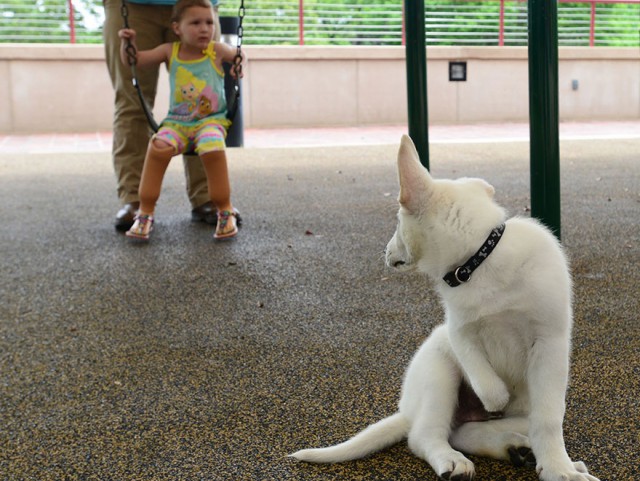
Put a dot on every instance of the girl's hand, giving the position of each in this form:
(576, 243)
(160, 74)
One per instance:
(127, 33)
(128, 47)
(129, 53)
(237, 68)
(226, 53)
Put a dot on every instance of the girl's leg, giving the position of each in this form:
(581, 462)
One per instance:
(158, 157)
(159, 154)
(215, 164)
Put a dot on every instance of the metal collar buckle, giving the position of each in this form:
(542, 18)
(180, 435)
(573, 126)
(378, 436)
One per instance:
(461, 274)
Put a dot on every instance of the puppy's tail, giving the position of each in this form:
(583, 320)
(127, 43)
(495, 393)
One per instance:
(378, 436)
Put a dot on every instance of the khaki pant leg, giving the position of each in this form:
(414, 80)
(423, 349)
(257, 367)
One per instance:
(197, 189)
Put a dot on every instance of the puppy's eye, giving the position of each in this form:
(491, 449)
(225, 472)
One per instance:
(399, 263)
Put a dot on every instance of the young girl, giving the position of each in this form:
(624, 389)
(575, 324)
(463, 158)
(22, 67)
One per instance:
(197, 111)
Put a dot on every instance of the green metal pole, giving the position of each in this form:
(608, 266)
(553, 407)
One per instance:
(543, 113)
(416, 51)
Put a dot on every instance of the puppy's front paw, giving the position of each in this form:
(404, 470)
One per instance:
(455, 467)
(494, 396)
(573, 472)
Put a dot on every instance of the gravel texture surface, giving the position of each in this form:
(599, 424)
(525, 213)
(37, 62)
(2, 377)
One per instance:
(190, 359)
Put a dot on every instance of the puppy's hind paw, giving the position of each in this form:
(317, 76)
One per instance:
(522, 456)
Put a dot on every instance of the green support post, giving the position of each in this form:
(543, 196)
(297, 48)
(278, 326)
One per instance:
(543, 113)
(416, 51)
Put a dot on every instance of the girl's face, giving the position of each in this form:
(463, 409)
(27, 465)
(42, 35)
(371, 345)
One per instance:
(196, 27)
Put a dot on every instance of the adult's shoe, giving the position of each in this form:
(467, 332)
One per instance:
(126, 216)
(207, 212)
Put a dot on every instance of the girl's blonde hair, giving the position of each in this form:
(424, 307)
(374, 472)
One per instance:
(182, 5)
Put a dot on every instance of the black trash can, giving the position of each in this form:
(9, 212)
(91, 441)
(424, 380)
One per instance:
(229, 30)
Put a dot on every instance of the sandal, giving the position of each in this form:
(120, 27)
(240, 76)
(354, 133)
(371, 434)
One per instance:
(226, 224)
(141, 228)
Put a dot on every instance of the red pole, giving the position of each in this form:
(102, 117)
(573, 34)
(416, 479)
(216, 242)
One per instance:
(72, 25)
(404, 37)
(501, 32)
(301, 22)
(592, 28)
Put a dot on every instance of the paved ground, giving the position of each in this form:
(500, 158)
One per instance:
(187, 359)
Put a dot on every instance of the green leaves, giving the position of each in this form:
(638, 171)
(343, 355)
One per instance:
(48, 21)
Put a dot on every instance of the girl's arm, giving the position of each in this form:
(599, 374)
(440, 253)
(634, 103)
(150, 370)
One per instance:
(226, 53)
(144, 58)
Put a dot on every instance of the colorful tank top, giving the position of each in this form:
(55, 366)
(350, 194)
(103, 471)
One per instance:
(197, 88)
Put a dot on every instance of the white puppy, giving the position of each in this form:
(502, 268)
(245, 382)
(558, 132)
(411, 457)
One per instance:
(491, 381)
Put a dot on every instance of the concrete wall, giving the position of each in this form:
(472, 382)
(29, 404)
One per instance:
(66, 88)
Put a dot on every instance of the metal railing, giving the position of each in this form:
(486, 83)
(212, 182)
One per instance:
(486, 22)
(326, 22)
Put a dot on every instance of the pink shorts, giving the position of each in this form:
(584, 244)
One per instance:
(206, 135)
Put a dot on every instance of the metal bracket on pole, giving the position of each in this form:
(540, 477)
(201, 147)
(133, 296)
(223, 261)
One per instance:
(416, 51)
(543, 113)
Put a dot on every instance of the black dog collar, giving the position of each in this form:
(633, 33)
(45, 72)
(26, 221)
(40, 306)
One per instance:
(462, 274)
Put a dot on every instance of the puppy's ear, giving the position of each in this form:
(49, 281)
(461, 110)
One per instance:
(415, 180)
(491, 191)
(486, 186)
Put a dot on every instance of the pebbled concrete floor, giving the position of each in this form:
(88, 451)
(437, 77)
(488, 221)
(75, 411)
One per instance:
(187, 359)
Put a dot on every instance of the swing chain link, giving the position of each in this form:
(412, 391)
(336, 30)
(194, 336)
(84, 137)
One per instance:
(237, 60)
(130, 50)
